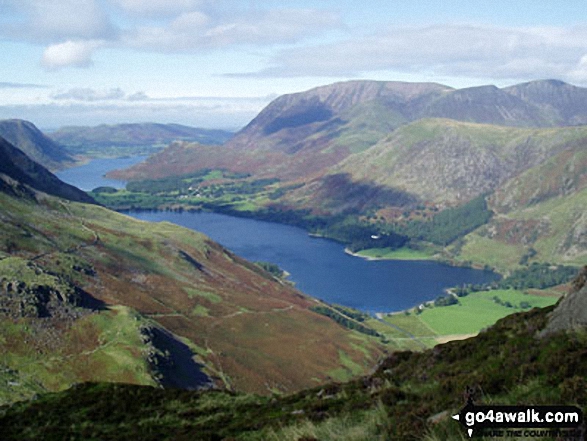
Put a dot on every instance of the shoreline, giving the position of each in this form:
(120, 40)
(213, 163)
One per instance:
(371, 258)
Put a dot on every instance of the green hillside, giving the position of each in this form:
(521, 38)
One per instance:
(98, 289)
(409, 396)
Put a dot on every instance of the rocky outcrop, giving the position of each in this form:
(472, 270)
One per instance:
(571, 312)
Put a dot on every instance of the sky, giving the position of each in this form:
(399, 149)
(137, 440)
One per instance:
(217, 63)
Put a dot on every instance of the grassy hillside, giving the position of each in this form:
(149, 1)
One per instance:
(540, 216)
(410, 396)
(248, 330)
(445, 161)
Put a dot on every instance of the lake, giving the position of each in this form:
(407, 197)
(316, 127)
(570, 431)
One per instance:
(91, 175)
(318, 267)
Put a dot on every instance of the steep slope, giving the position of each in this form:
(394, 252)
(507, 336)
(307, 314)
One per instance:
(488, 105)
(302, 134)
(443, 162)
(540, 214)
(35, 144)
(247, 330)
(571, 312)
(409, 396)
(18, 166)
(103, 138)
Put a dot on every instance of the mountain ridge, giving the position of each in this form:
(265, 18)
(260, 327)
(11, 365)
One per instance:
(18, 166)
(301, 135)
(39, 147)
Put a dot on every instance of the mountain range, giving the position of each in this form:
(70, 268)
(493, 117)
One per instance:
(127, 139)
(380, 149)
(302, 134)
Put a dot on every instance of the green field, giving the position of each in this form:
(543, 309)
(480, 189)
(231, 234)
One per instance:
(398, 254)
(478, 311)
(473, 313)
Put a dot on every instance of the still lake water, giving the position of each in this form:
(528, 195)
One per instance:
(319, 267)
(91, 175)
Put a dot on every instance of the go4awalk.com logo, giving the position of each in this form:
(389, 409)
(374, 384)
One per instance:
(522, 421)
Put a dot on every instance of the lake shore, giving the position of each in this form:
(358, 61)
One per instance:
(400, 254)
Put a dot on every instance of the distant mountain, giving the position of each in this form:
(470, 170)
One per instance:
(562, 103)
(17, 166)
(301, 135)
(35, 144)
(84, 140)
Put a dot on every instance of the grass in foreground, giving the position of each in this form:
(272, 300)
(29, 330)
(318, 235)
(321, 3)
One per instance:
(506, 365)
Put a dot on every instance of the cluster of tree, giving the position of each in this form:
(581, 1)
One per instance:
(449, 224)
(537, 275)
(446, 300)
(344, 320)
(360, 235)
(271, 268)
(106, 190)
(508, 304)
(352, 313)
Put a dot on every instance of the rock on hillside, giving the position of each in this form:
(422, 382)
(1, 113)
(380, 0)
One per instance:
(446, 161)
(571, 312)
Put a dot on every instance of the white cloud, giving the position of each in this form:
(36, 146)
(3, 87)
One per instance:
(474, 51)
(55, 21)
(195, 30)
(87, 94)
(70, 28)
(70, 54)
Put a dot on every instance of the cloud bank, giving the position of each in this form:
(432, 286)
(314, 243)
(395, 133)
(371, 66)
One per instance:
(460, 50)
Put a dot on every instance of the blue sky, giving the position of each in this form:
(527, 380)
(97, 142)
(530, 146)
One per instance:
(218, 63)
